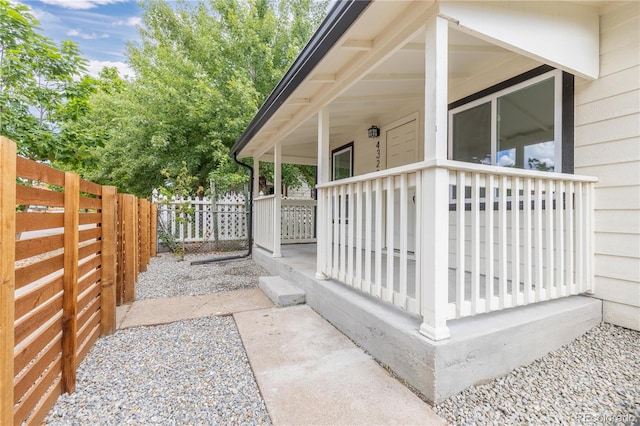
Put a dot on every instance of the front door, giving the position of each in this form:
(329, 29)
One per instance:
(402, 148)
(402, 144)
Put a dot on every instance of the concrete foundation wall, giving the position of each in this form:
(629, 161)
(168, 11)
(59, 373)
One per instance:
(480, 348)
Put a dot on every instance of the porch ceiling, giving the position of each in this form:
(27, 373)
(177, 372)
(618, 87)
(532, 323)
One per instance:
(376, 68)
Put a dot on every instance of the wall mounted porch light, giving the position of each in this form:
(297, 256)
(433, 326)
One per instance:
(374, 131)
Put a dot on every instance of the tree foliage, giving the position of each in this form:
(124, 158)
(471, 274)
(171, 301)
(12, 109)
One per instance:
(43, 91)
(202, 70)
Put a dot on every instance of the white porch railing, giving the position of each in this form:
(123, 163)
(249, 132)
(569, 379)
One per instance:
(263, 211)
(515, 237)
(298, 221)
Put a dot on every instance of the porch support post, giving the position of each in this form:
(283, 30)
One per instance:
(256, 193)
(322, 177)
(277, 201)
(434, 248)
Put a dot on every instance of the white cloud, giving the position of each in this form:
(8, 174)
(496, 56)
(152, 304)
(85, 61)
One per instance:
(44, 16)
(86, 36)
(129, 22)
(95, 67)
(80, 4)
(543, 152)
(506, 158)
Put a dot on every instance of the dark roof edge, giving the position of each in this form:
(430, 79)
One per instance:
(341, 16)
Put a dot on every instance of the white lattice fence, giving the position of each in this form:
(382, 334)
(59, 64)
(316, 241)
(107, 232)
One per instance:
(232, 217)
(224, 220)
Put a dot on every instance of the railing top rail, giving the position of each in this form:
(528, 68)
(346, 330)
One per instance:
(509, 171)
(396, 171)
(460, 166)
(264, 197)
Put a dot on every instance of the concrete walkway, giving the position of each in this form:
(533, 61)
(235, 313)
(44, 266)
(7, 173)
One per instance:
(162, 311)
(308, 372)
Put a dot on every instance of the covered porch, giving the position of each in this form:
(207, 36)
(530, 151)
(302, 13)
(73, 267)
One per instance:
(530, 231)
(433, 212)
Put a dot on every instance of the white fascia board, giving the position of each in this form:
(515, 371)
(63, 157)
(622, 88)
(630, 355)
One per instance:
(562, 34)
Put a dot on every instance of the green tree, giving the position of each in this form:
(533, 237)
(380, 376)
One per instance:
(202, 70)
(174, 195)
(536, 164)
(42, 89)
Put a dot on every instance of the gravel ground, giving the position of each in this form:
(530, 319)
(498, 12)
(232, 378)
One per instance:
(593, 380)
(192, 372)
(196, 372)
(167, 276)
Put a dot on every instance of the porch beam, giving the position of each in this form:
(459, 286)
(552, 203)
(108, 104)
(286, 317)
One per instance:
(476, 48)
(277, 192)
(292, 159)
(377, 98)
(323, 78)
(299, 101)
(322, 177)
(433, 251)
(384, 76)
(262, 149)
(360, 45)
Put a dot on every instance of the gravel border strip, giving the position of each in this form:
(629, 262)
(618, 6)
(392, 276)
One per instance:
(193, 372)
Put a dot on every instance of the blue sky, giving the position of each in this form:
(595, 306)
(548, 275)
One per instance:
(101, 28)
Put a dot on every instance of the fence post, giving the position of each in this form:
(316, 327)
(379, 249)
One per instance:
(153, 231)
(144, 234)
(215, 216)
(70, 283)
(108, 249)
(7, 285)
(136, 215)
(120, 250)
(130, 240)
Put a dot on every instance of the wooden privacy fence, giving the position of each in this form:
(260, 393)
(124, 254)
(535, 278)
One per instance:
(70, 250)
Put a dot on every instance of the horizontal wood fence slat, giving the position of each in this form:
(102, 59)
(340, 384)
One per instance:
(31, 170)
(30, 300)
(29, 221)
(61, 254)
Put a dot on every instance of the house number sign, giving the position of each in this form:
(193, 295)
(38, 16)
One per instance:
(378, 156)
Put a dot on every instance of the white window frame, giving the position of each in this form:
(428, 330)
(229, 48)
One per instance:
(341, 150)
(493, 98)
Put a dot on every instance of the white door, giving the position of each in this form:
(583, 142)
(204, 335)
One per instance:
(402, 148)
(402, 144)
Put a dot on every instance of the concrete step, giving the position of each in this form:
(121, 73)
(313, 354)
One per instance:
(281, 292)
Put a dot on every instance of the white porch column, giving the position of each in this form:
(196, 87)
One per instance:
(256, 191)
(323, 177)
(277, 195)
(434, 197)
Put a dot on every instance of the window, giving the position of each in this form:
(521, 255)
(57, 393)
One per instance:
(342, 162)
(517, 124)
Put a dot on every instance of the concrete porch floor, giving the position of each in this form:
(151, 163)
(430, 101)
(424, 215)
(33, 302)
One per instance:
(480, 348)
